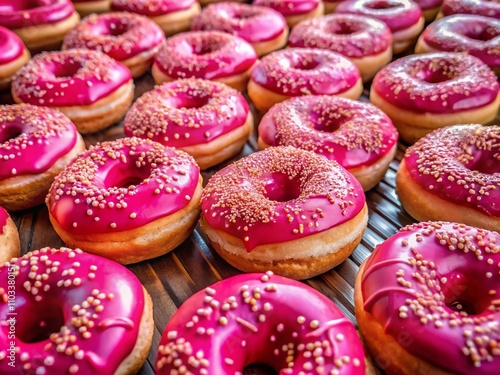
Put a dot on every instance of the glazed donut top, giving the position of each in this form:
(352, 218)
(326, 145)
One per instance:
(280, 194)
(435, 287)
(290, 7)
(106, 188)
(350, 35)
(76, 312)
(441, 82)
(11, 46)
(16, 14)
(32, 138)
(68, 78)
(151, 8)
(482, 7)
(119, 35)
(186, 112)
(460, 164)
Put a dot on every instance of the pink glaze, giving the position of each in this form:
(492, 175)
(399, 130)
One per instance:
(16, 14)
(348, 34)
(305, 71)
(151, 8)
(415, 283)
(69, 78)
(353, 133)
(76, 313)
(249, 319)
(186, 112)
(460, 164)
(442, 82)
(205, 54)
(290, 7)
(397, 14)
(121, 185)
(32, 139)
(255, 24)
(485, 8)
(4, 216)
(428, 4)
(280, 194)
(120, 35)
(476, 35)
(11, 46)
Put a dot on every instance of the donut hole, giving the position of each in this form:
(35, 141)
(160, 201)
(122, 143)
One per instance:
(205, 47)
(342, 28)
(67, 70)
(463, 294)
(14, 6)
(116, 29)
(480, 33)
(280, 188)
(306, 64)
(327, 125)
(383, 5)
(433, 76)
(484, 161)
(38, 327)
(10, 132)
(259, 369)
(193, 102)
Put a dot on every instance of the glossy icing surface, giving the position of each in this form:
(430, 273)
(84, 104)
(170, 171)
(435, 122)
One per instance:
(15, 14)
(428, 4)
(481, 7)
(4, 215)
(290, 7)
(11, 46)
(151, 8)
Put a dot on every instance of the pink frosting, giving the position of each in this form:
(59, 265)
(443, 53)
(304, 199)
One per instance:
(290, 7)
(460, 164)
(351, 132)
(397, 14)
(121, 185)
(4, 216)
(16, 14)
(255, 24)
(280, 194)
(73, 313)
(69, 78)
(481, 7)
(120, 35)
(428, 4)
(32, 139)
(476, 35)
(305, 71)
(11, 46)
(250, 319)
(434, 288)
(441, 82)
(151, 8)
(348, 34)
(186, 112)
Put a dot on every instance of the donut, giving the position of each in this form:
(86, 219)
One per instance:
(13, 55)
(430, 8)
(331, 5)
(365, 41)
(476, 35)
(421, 93)
(128, 38)
(288, 210)
(86, 7)
(211, 55)
(40, 24)
(480, 7)
(72, 313)
(295, 11)
(89, 87)
(359, 136)
(403, 17)
(204, 3)
(128, 200)
(10, 245)
(426, 300)
(173, 16)
(207, 119)
(36, 143)
(259, 318)
(264, 28)
(453, 174)
(295, 72)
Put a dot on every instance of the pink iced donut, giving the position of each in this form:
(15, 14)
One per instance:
(89, 87)
(426, 300)
(10, 245)
(264, 28)
(40, 24)
(128, 38)
(480, 7)
(359, 136)
(13, 55)
(259, 318)
(475, 35)
(421, 93)
(207, 119)
(86, 7)
(294, 11)
(128, 200)
(173, 16)
(211, 55)
(403, 17)
(72, 313)
(453, 174)
(302, 71)
(430, 8)
(367, 42)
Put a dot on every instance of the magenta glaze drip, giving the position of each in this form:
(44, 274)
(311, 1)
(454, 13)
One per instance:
(186, 112)
(480, 7)
(460, 264)
(16, 14)
(350, 35)
(32, 139)
(11, 46)
(255, 24)
(305, 71)
(290, 7)
(69, 78)
(353, 133)
(136, 35)
(418, 83)
(4, 216)
(151, 8)
(100, 194)
(74, 278)
(286, 311)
